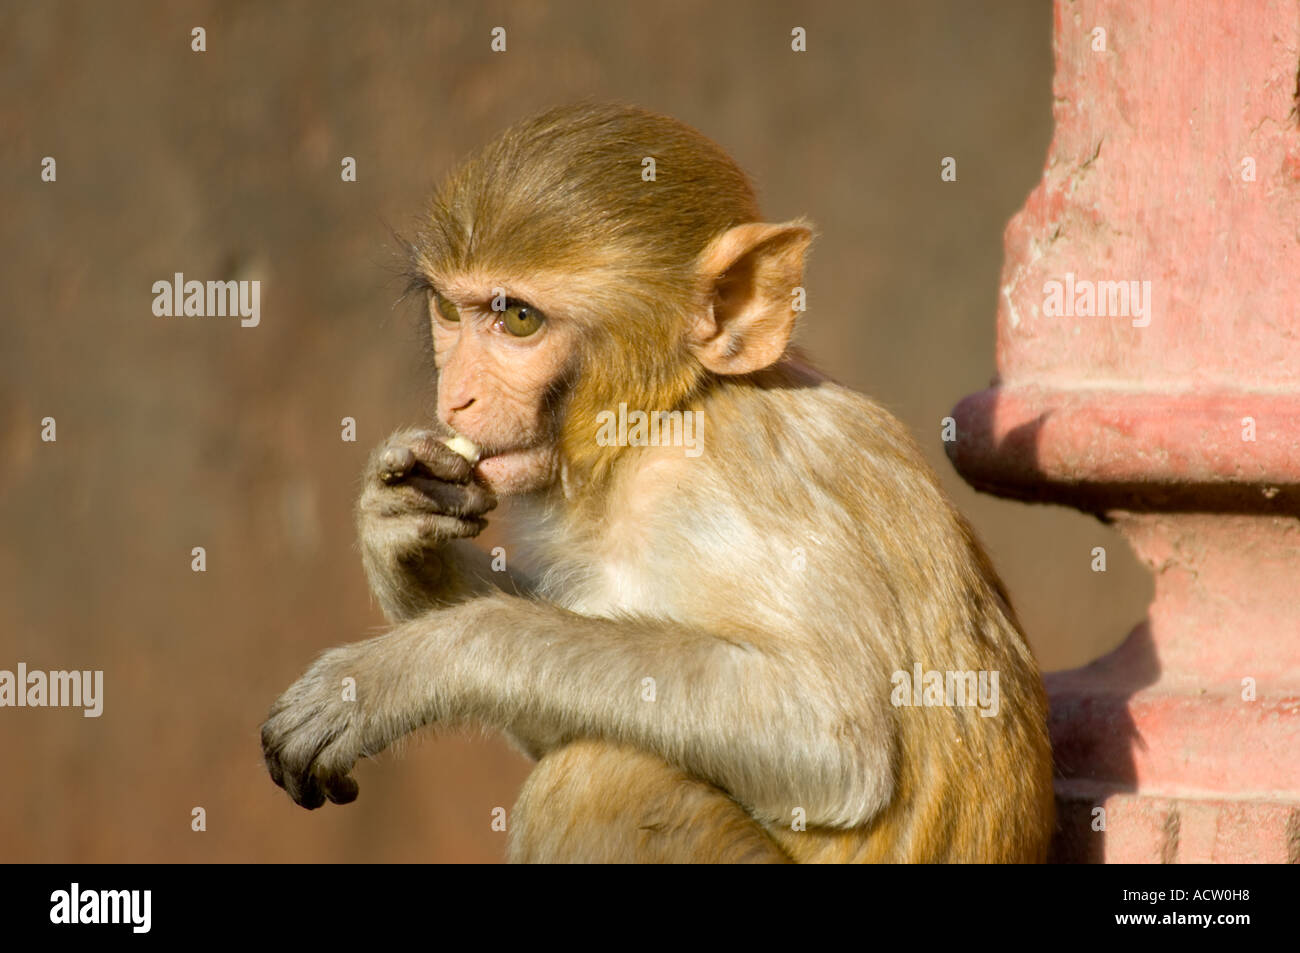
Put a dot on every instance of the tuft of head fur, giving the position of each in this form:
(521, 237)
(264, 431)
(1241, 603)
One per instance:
(563, 193)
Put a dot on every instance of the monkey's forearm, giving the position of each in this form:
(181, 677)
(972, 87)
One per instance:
(723, 711)
(416, 584)
(435, 578)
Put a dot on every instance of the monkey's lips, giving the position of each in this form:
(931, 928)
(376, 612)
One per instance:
(520, 470)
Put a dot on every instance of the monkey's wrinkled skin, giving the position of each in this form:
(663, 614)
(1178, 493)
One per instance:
(705, 666)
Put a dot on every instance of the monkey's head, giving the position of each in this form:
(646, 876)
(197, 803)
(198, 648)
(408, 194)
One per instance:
(591, 256)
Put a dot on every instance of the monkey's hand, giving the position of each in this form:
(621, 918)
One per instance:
(316, 732)
(418, 495)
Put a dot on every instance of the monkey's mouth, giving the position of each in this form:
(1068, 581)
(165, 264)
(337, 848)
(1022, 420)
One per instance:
(488, 452)
(505, 456)
(515, 470)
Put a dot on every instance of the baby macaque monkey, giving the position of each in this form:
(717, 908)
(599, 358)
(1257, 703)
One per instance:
(779, 644)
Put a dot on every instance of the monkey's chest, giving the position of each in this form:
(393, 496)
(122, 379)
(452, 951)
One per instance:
(619, 587)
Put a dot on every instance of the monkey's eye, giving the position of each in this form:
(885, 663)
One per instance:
(443, 308)
(521, 319)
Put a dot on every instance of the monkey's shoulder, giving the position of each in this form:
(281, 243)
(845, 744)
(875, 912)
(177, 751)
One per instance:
(817, 422)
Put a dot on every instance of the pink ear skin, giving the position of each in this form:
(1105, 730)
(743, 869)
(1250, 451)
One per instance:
(750, 273)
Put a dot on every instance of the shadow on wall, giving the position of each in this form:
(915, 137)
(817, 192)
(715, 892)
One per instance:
(1093, 740)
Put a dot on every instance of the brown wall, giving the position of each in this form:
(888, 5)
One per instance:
(191, 432)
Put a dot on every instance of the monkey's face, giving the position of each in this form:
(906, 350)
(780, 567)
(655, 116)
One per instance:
(563, 284)
(502, 360)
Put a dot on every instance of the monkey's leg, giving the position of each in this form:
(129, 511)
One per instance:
(593, 802)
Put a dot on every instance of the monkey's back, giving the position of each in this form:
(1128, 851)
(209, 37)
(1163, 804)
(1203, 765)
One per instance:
(968, 787)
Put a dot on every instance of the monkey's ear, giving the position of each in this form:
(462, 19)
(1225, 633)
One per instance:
(750, 273)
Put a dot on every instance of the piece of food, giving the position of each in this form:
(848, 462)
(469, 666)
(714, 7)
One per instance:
(464, 446)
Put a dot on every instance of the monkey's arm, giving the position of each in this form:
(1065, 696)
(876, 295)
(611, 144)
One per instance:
(433, 578)
(752, 723)
(419, 506)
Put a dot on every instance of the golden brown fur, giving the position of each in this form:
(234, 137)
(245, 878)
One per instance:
(767, 589)
(897, 578)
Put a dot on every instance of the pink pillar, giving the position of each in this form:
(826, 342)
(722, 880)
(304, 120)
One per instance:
(1176, 161)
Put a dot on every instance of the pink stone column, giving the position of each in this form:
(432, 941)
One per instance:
(1175, 161)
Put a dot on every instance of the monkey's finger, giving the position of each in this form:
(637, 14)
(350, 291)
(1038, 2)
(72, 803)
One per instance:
(448, 527)
(425, 496)
(470, 499)
(304, 789)
(339, 788)
(275, 768)
(395, 463)
(271, 755)
(419, 451)
(413, 543)
(292, 770)
(438, 460)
